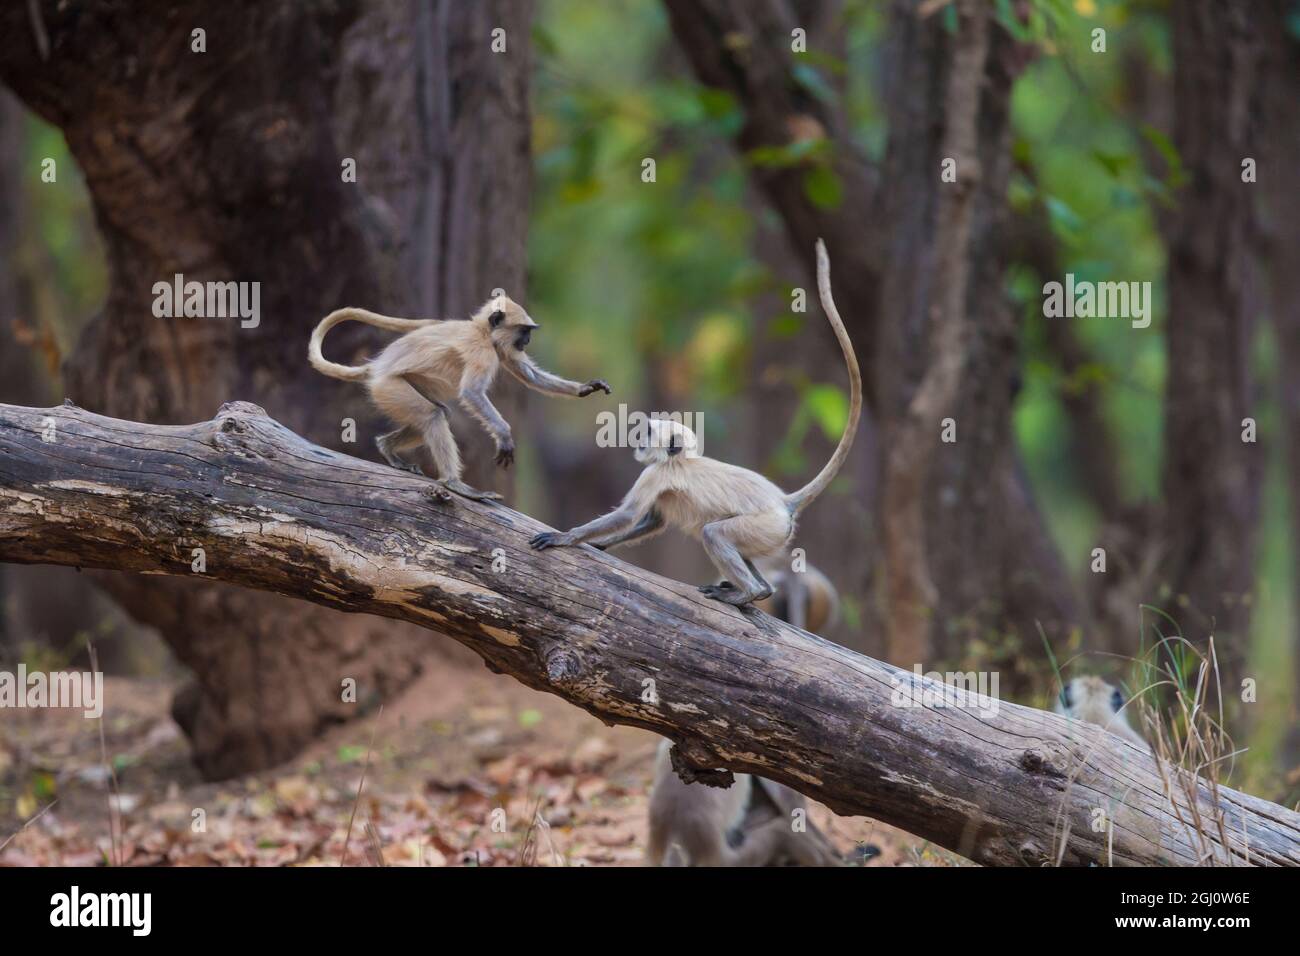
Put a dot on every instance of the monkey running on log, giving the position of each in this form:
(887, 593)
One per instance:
(737, 514)
(439, 361)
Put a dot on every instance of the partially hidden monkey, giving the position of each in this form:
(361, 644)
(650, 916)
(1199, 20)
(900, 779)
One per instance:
(1093, 700)
(749, 823)
(806, 599)
(737, 514)
(439, 361)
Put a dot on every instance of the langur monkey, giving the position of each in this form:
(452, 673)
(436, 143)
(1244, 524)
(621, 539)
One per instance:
(747, 824)
(1093, 700)
(439, 361)
(806, 598)
(750, 822)
(737, 514)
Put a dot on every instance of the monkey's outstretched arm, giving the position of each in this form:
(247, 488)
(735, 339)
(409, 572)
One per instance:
(649, 525)
(475, 400)
(605, 525)
(537, 378)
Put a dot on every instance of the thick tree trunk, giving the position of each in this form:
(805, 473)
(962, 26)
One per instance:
(1212, 477)
(983, 541)
(226, 165)
(999, 783)
(1281, 157)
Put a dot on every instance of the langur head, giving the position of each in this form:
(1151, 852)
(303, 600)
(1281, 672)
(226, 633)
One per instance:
(666, 440)
(509, 325)
(1090, 698)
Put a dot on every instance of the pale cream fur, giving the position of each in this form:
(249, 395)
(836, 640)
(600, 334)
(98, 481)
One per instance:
(1093, 700)
(737, 514)
(436, 362)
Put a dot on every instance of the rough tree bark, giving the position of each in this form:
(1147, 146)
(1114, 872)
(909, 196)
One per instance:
(985, 544)
(226, 165)
(1212, 478)
(736, 689)
(1281, 157)
(914, 427)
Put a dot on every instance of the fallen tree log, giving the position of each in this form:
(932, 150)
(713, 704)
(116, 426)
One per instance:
(996, 782)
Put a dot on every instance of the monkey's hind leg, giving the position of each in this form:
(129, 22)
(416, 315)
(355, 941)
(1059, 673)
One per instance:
(446, 457)
(397, 441)
(743, 584)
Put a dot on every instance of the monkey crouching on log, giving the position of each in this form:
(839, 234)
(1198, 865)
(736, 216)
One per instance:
(737, 514)
(439, 361)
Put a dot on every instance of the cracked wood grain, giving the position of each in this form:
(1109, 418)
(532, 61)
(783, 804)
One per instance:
(736, 689)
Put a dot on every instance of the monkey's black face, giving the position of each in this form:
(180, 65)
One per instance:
(522, 339)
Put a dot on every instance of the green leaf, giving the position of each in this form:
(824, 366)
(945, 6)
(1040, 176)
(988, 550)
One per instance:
(1063, 217)
(785, 327)
(543, 42)
(788, 154)
(351, 753)
(1177, 175)
(811, 80)
(529, 718)
(1113, 163)
(823, 188)
(829, 407)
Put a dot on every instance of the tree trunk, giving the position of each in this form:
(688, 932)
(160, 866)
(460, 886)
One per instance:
(1212, 477)
(226, 165)
(1281, 156)
(999, 783)
(982, 541)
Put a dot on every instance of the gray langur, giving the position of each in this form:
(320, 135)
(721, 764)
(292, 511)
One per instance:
(736, 514)
(1093, 700)
(807, 599)
(749, 823)
(439, 361)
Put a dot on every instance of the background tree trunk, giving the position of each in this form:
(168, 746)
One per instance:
(984, 544)
(1212, 478)
(226, 165)
(1280, 159)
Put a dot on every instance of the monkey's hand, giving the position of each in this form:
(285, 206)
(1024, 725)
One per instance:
(595, 385)
(549, 539)
(506, 453)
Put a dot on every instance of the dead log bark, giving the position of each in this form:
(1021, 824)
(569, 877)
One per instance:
(735, 689)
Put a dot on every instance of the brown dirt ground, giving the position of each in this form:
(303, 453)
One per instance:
(457, 746)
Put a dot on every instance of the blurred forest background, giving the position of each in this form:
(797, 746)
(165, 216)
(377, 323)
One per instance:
(524, 170)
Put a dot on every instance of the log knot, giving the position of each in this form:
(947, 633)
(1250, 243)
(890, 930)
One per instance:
(1045, 763)
(232, 415)
(693, 767)
(241, 408)
(563, 666)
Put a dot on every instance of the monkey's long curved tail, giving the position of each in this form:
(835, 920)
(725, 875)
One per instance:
(798, 500)
(354, 373)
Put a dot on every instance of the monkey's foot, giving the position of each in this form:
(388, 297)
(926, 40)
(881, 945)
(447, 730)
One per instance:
(438, 493)
(727, 593)
(466, 491)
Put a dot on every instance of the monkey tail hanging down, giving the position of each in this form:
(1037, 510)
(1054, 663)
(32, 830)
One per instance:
(439, 361)
(737, 514)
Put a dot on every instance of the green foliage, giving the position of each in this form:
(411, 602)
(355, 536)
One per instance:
(822, 186)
